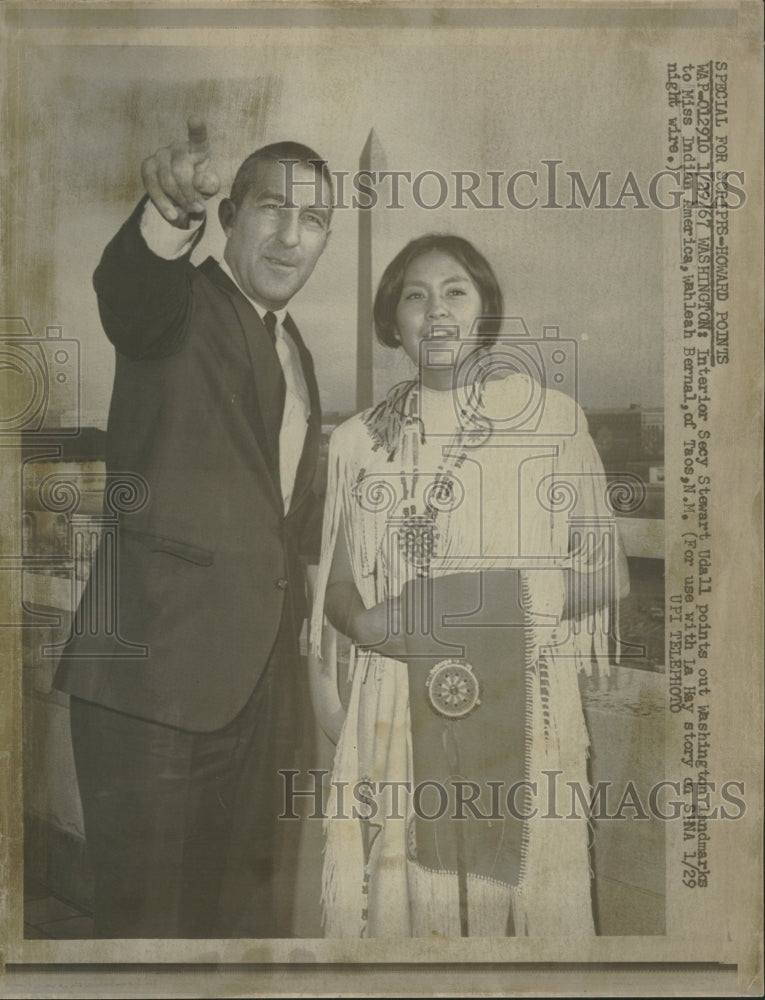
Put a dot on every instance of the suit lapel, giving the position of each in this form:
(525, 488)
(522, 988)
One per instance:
(269, 384)
(307, 465)
(266, 371)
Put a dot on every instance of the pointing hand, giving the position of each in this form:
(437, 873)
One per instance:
(178, 178)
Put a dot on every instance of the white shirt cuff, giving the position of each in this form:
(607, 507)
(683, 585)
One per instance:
(164, 239)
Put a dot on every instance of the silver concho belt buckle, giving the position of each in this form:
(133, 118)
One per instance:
(453, 689)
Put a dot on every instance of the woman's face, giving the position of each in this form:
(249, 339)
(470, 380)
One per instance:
(437, 292)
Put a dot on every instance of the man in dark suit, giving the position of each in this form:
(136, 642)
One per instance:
(215, 406)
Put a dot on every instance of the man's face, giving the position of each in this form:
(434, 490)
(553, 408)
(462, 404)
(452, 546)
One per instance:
(272, 249)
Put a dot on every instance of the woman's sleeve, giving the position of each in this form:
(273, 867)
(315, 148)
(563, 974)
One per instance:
(593, 550)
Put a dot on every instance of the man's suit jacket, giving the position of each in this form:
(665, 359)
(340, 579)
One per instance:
(205, 567)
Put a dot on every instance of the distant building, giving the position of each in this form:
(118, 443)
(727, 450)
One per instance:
(631, 442)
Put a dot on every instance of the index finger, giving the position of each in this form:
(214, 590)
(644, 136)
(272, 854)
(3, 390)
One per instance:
(197, 129)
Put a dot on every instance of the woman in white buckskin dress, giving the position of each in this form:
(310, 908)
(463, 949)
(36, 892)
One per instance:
(478, 463)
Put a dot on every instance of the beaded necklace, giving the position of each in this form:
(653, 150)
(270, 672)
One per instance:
(425, 496)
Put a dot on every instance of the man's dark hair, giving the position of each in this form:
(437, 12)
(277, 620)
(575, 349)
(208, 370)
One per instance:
(463, 251)
(280, 152)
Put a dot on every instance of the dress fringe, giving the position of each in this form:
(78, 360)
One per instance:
(375, 740)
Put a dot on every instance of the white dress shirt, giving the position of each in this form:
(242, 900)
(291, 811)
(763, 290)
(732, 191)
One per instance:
(170, 243)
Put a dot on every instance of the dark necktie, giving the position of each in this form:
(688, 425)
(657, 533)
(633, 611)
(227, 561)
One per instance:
(269, 321)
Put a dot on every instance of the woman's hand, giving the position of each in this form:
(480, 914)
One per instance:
(376, 628)
(379, 628)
